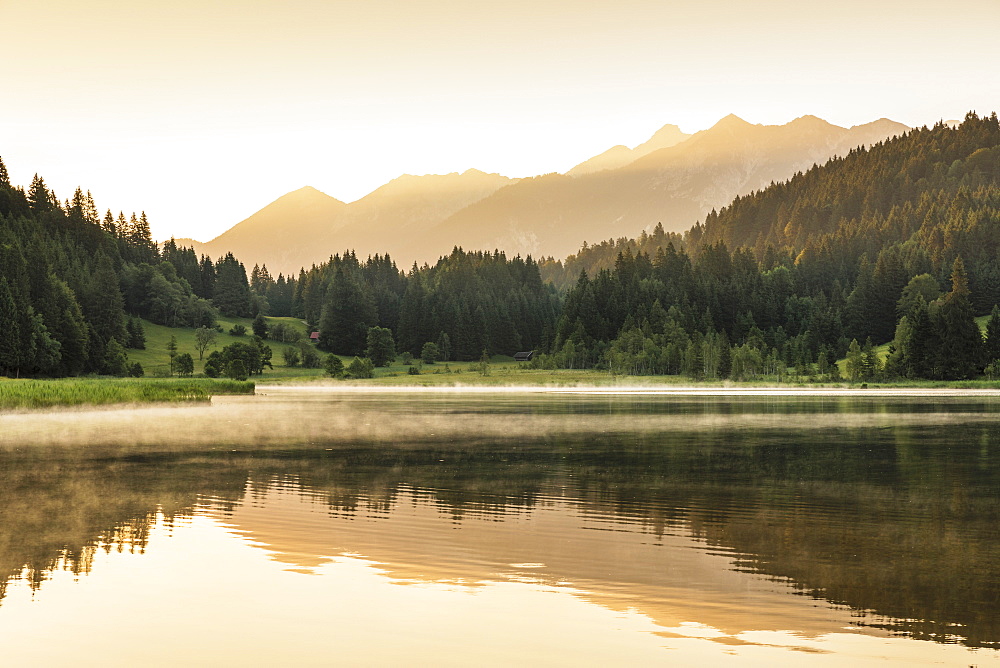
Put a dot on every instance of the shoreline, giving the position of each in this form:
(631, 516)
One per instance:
(638, 390)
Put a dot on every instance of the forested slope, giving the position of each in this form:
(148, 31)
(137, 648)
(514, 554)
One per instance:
(792, 274)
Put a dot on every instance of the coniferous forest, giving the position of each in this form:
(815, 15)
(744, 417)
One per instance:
(897, 244)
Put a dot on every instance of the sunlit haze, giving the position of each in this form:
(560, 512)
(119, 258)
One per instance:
(200, 113)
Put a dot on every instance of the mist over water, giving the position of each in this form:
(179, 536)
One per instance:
(449, 528)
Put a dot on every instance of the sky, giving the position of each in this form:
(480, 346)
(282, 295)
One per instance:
(202, 112)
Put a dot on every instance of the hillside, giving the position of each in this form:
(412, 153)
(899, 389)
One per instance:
(894, 243)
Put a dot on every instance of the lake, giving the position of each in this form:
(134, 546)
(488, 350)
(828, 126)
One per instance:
(318, 527)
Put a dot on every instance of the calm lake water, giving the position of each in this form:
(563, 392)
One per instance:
(308, 527)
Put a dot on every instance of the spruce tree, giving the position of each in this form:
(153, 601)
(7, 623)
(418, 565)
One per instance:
(962, 341)
(346, 317)
(10, 325)
(991, 346)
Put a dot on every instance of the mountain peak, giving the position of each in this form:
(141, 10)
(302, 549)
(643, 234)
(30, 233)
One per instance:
(732, 121)
(810, 120)
(620, 155)
(668, 135)
(308, 193)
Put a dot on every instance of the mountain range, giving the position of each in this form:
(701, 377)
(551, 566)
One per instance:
(673, 178)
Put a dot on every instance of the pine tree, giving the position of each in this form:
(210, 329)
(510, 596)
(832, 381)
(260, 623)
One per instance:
(11, 343)
(348, 314)
(991, 347)
(961, 352)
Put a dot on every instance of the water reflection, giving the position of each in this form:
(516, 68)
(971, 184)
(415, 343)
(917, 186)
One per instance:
(702, 516)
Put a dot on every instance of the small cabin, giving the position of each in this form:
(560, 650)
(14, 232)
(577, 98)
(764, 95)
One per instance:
(314, 337)
(524, 357)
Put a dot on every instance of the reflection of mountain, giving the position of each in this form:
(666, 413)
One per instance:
(897, 522)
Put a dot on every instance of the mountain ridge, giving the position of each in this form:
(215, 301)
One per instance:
(676, 180)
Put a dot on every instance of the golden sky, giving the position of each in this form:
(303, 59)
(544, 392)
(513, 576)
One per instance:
(202, 112)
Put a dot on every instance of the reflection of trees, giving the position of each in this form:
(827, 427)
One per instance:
(56, 512)
(899, 524)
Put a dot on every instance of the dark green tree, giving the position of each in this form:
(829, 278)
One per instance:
(430, 353)
(991, 346)
(259, 326)
(334, 366)
(961, 353)
(184, 364)
(346, 317)
(360, 368)
(236, 369)
(380, 349)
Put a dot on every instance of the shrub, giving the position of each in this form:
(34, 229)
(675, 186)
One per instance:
(430, 353)
(381, 348)
(413, 371)
(291, 356)
(184, 364)
(238, 330)
(259, 326)
(310, 357)
(237, 370)
(360, 368)
(215, 364)
(334, 366)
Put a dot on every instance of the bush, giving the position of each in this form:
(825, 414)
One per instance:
(381, 348)
(260, 326)
(360, 368)
(291, 356)
(238, 330)
(334, 366)
(283, 333)
(136, 371)
(310, 357)
(483, 366)
(215, 364)
(413, 371)
(237, 370)
(184, 364)
(430, 353)
(406, 358)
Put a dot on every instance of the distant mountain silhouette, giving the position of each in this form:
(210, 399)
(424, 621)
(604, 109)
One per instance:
(307, 226)
(271, 235)
(674, 179)
(619, 156)
(677, 186)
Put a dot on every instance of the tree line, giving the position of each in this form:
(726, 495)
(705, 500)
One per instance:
(804, 272)
(896, 243)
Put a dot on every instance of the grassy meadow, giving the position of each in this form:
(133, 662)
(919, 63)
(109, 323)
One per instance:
(16, 394)
(156, 361)
(503, 371)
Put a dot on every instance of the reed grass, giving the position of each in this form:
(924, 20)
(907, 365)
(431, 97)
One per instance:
(92, 391)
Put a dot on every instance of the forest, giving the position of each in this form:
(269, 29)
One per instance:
(893, 244)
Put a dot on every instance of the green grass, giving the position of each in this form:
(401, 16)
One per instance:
(90, 391)
(156, 362)
(503, 371)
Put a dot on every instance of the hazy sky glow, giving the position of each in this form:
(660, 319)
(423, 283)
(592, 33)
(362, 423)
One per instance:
(202, 112)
